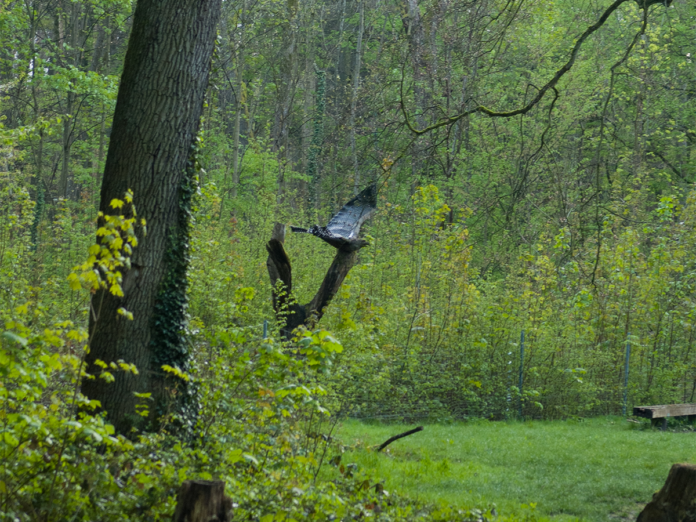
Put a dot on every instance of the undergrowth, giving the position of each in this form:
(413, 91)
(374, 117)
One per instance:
(263, 406)
(417, 332)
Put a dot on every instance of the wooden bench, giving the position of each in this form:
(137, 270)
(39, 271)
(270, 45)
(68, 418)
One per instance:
(660, 413)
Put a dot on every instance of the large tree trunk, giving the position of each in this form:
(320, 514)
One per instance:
(158, 109)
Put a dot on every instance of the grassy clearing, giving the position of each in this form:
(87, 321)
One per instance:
(598, 469)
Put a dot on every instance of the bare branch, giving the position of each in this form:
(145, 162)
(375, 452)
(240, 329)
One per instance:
(399, 436)
(522, 110)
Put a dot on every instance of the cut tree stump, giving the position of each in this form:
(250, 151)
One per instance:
(676, 501)
(202, 501)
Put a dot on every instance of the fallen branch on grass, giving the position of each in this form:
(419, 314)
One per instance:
(400, 436)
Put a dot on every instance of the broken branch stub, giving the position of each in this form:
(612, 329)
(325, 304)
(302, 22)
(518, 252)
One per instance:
(280, 272)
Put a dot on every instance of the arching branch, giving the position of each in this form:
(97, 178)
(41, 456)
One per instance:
(550, 85)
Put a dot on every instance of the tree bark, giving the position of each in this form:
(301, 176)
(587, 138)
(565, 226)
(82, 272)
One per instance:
(74, 58)
(317, 139)
(287, 81)
(676, 501)
(37, 179)
(202, 501)
(158, 109)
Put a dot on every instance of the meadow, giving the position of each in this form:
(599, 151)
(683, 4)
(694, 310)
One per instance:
(597, 469)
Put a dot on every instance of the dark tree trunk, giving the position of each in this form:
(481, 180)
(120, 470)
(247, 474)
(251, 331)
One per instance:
(202, 501)
(158, 109)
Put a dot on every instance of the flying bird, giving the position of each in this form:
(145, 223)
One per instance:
(343, 229)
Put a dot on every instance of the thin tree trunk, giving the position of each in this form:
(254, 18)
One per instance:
(288, 68)
(238, 105)
(354, 99)
(98, 51)
(415, 34)
(37, 180)
(74, 58)
(98, 48)
(309, 89)
(66, 146)
(317, 138)
(99, 157)
(287, 93)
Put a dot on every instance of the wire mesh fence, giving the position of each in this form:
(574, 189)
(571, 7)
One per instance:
(513, 383)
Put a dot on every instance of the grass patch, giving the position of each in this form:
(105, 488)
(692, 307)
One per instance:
(597, 469)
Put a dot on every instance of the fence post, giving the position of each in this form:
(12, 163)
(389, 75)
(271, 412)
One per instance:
(628, 358)
(509, 386)
(265, 328)
(521, 370)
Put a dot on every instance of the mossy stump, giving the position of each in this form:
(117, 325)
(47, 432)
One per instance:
(676, 501)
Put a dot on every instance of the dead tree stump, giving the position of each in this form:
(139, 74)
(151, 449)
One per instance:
(287, 310)
(202, 501)
(676, 501)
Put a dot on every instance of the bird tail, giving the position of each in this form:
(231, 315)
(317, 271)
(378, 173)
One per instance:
(299, 229)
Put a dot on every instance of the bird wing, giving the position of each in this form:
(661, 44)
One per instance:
(347, 221)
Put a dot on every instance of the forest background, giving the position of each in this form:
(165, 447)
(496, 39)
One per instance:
(572, 221)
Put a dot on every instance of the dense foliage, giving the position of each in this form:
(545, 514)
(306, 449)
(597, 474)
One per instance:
(573, 222)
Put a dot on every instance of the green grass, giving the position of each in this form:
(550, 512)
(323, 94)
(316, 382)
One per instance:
(598, 469)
